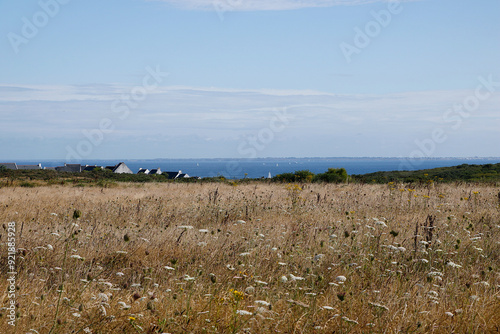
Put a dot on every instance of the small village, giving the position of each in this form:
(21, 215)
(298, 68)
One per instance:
(120, 168)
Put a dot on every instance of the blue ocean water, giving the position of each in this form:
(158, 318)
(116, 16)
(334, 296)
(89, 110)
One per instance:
(256, 168)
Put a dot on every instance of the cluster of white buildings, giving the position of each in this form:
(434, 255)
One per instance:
(120, 168)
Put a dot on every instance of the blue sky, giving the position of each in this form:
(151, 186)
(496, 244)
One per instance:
(248, 78)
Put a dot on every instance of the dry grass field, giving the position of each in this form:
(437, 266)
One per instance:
(253, 258)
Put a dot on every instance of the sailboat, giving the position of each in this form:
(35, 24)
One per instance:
(269, 176)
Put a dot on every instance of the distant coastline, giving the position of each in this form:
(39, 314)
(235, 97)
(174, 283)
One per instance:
(261, 167)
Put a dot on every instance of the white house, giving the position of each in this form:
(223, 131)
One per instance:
(121, 168)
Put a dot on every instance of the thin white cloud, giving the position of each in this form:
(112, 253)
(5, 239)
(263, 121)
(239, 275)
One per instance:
(264, 5)
(198, 120)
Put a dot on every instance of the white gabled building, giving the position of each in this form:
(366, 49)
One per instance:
(121, 168)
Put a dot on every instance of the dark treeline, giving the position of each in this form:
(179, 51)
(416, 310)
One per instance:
(465, 173)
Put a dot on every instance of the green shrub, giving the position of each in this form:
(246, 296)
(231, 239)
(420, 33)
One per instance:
(27, 184)
(298, 176)
(333, 175)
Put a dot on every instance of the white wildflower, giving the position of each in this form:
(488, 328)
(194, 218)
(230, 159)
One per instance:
(245, 254)
(250, 290)
(50, 247)
(78, 257)
(433, 293)
(283, 279)
(453, 265)
(169, 268)
(483, 283)
(340, 279)
(243, 312)
(185, 227)
(296, 278)
(103, 297)
(260, 282)
(379, 306)
(120, 274)
(241, 222)
(329, 308)
(261, 310)
(391, 247)
(262, 302)
(350, 321)
(203, 230)
(124, 305)
(108, 284)
(318, 257)
(76, 314)
(449, 314)
(380, 223)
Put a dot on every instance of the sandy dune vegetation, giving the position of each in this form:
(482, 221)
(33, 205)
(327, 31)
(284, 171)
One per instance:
(253, 258)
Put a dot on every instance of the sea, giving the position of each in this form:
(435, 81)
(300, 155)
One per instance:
(265, 167)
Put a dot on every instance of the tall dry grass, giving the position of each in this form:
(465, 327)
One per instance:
(254, 258)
